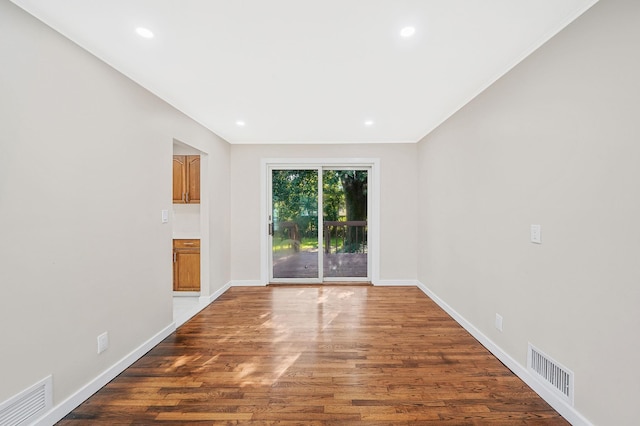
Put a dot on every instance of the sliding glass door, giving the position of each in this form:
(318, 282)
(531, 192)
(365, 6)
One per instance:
(310, 248)
(294, 225)
(344, 225)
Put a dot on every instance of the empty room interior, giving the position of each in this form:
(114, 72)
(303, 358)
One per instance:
(475, 164)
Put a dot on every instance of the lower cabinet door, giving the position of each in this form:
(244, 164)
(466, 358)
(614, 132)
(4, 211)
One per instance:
(186, 269)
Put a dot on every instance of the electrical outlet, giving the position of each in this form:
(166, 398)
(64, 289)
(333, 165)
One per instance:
(103, 342)
(499, 322)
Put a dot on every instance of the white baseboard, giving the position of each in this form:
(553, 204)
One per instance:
(216, 294)
(186, 294)
(65, 407)
(567, 411)
(187, 315)
(246, 283)
(258, 283)
(68, 405)
(398, 283)
(203, 302)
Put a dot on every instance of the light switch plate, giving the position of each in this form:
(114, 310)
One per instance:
(103, 342)
(165, 216)
(536, 234)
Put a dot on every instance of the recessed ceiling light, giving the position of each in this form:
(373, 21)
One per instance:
(144, 32)
(407, 31)
(368, 123)
(240, 123)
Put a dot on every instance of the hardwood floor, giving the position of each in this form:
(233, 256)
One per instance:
(318, 355)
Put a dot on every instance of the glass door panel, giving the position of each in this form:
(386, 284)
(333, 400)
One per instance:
(345, 207)
(294, 225)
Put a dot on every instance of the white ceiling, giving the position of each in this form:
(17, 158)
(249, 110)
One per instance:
(301, 71)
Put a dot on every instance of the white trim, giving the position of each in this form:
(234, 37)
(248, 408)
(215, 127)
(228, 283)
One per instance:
(264, 231)
(568, 412)
(372, 164)
(329, 280)
(203, 302)
(187, 315)
(373, 238)
(69, 404)
(205, 226)
(303, 281)
(248, 283)
(322, 141)
(65, 407)
(210, 298)
(395, 283)
(186, 294)
(319, 219)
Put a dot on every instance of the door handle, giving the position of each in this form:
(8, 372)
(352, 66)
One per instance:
(271, 229)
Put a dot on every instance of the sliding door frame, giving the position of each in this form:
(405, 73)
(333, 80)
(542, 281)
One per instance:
(373, 193)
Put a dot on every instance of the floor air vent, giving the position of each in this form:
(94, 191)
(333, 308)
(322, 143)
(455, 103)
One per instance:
(28, 405)
(557, 377)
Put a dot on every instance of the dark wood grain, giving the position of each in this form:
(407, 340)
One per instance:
(318, 355)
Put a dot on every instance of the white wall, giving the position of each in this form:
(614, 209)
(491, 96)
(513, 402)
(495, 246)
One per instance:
(398, 205)
(555, 142)
(216, 212)
(186, 221)
(85, 170)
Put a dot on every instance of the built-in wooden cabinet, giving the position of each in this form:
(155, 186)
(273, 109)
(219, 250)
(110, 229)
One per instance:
(186, 265)
(186, 179)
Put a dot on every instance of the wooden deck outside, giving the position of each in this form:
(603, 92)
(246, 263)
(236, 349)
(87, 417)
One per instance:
(318, 355)
(304, 264)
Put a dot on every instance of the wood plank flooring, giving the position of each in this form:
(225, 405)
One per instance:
(318, 355)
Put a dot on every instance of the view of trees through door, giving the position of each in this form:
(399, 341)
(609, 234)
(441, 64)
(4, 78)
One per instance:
(294, 241)
(345, 223)
(302, 246)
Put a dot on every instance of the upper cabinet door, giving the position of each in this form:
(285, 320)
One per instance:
(186, 179)
(193, 179)
(179, 179)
